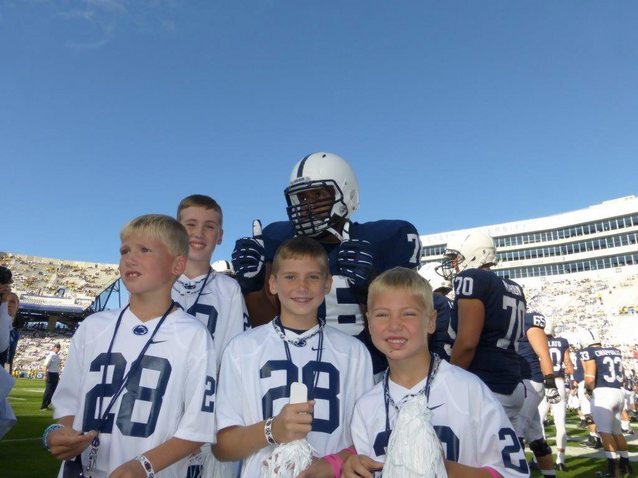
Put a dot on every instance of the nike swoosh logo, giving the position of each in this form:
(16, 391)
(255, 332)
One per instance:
(158, 341)
(436, 406)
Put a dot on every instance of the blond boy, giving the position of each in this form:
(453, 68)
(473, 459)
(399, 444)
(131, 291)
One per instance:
(476, 436)
(137, 394)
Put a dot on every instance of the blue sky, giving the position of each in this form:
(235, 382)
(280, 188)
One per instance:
(453, 114)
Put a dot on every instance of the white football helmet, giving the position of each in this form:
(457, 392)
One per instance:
(429, 273)
(589, 337)
(223, 266)
(472, 251)
(313, 217)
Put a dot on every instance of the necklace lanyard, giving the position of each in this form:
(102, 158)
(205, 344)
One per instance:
(201, 289)
(432, 370)
(301, 342)
(134, 366)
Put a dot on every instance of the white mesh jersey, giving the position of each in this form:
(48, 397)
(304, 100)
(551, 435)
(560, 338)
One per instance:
(255, 378)
(467, 418)
(220, 306)
(170, 394)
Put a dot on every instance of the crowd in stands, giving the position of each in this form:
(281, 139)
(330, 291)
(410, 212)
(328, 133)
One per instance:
(33, 347)
(54, 279)
(574, 304)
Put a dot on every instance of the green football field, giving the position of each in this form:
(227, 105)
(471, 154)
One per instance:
(22, 455)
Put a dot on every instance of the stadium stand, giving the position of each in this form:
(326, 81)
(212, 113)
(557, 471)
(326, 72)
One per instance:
(580, 268)
(54, 296)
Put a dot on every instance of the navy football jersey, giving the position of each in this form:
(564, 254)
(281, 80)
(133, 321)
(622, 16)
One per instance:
(530, 365)
(496, 358)
(578, 375)
(609, 371)
(557, 348)
(394, 243)
(442, 339)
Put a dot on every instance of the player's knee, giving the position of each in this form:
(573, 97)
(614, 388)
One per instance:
(540, 448)
(589, 420)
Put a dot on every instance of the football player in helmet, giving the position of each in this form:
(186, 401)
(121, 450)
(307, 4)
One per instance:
(487, 317)
(321, 197)
(443, 337)
(603, 379)
(562, 365)
(538, 377)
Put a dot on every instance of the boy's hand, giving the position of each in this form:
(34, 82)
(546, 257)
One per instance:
(318, 469)
(360, 466)
(294, 422)
(248, 260)
(65, 443)
(130, 469)
(354, 261)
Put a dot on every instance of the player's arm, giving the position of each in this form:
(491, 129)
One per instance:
(252, 273)
(589, 369)
(262, 305)
(235, 443)
(160, 457)
(569, 365)
(538, 340)
(471, 318)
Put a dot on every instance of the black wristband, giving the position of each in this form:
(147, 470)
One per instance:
(549, 380)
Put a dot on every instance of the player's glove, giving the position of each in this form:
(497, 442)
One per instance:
(248, 260)
(589, 394)
(354, 261)
(551, 391)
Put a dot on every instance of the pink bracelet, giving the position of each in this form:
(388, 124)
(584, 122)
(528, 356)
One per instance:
(492, 472)
(351, 450)
(336, 462)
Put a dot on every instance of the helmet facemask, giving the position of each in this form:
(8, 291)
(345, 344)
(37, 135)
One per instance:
(449, 265)
(314, 216)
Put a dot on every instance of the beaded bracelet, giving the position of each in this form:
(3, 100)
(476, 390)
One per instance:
(268, 432)
(147, 465)
(47, 430)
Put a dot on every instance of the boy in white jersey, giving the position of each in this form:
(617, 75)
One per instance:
(476, 435)
(137, 394)
(215, 299)
(258, 367)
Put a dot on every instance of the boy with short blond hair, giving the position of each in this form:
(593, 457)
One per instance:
(259, 366)
(213, 298)
(476, 436)
(138, 389)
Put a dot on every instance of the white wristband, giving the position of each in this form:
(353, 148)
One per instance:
(147, 465)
